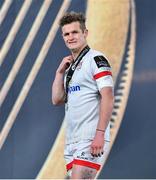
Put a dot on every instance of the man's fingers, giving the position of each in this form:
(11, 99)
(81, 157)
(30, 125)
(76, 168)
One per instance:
(93, 150)
(96, 151)
(99, 150)
(67, 65)
(69, 58)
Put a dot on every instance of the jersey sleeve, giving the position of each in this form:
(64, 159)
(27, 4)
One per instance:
(101, 71)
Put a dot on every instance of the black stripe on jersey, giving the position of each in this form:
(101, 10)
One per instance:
(101, 61)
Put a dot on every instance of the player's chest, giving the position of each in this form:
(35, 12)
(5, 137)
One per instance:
(81, 73)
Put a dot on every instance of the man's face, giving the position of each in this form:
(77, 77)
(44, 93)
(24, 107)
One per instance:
(73, 35)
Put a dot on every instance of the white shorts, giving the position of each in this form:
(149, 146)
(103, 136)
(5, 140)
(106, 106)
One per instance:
(79, 153)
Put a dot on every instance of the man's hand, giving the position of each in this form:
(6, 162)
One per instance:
(97, 144)
(65, 64)
(58, 91)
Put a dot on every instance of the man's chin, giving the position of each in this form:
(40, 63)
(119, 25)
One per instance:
(73, 48)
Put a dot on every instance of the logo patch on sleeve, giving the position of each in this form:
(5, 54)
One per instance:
(101, 61)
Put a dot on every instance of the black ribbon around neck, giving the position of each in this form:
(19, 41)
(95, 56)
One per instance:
(73, 67)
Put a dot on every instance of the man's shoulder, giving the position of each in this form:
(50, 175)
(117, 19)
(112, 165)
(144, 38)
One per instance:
(93, 53)
(99, 58)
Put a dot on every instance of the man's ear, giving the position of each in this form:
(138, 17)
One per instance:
(86, 32)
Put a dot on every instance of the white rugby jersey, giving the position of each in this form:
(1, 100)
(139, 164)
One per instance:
(82, 107)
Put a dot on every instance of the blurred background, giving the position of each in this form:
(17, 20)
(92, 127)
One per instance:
(31, 48)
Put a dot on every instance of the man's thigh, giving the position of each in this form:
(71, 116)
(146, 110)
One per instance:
(83, 172)
(83, 164)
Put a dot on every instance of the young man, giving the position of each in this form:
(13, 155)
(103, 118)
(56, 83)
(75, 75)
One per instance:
(84, 83)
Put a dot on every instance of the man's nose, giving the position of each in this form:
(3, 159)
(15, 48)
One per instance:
(71, 36)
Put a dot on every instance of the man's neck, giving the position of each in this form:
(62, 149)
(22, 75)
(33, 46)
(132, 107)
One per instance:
(76, 52)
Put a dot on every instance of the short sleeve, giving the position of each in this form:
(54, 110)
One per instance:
(101, 71)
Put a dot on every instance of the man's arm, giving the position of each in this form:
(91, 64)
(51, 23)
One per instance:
(58, 91)
(106, 107)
